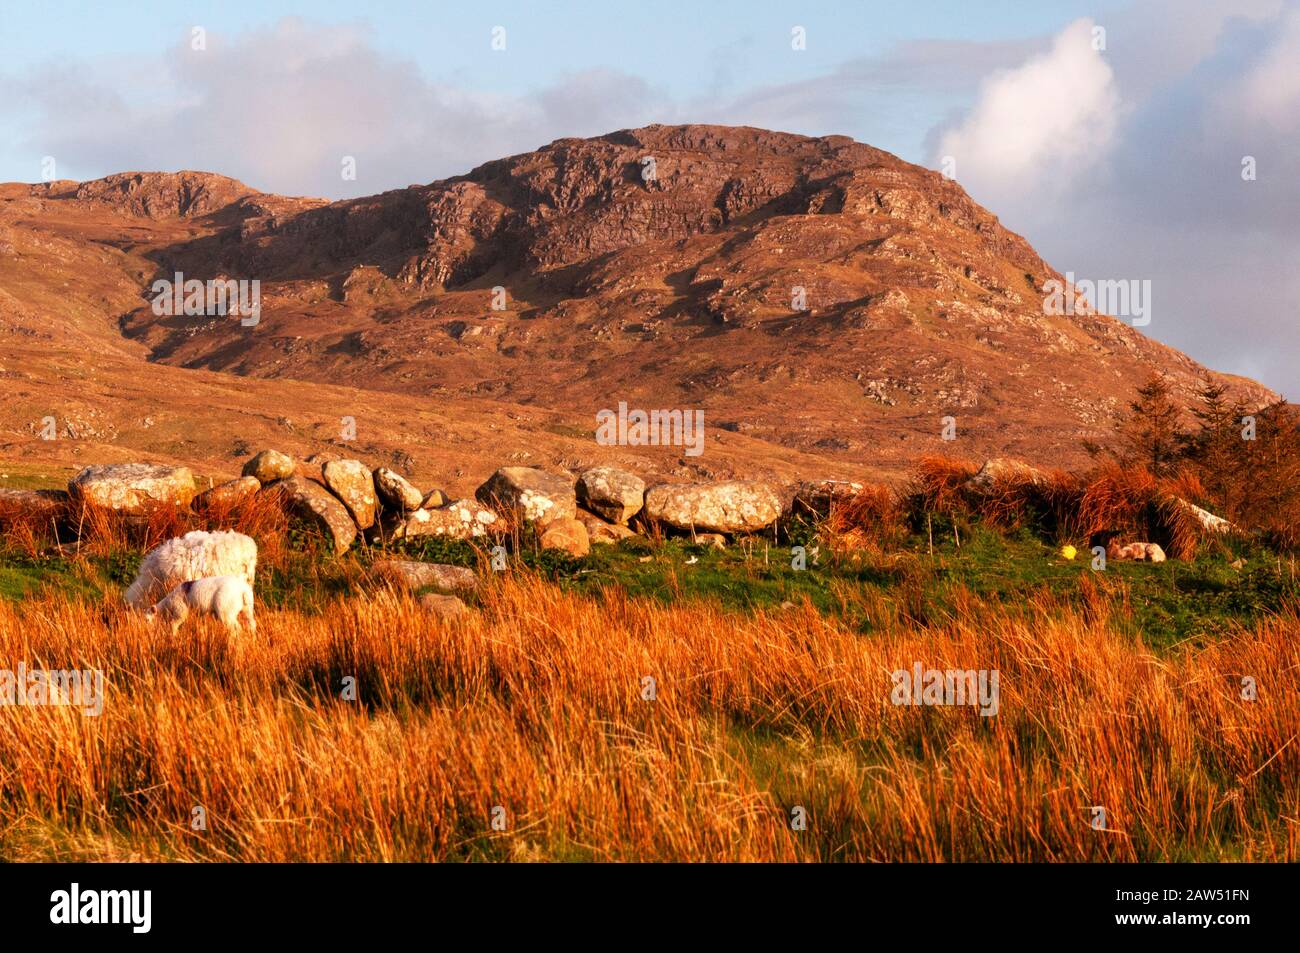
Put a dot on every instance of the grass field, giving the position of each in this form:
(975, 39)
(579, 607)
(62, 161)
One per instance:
(771, 694)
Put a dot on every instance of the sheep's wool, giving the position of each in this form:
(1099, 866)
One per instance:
(193, 556)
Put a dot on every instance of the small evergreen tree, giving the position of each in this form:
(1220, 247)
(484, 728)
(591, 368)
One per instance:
(1247, 461)
(1151, 436)
(1268, 478)
(1217, 453)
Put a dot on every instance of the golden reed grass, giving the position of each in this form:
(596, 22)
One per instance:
(1126, 501)
(535, 705)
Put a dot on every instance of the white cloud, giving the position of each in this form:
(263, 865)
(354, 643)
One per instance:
(280, 107)
(1158, 42)
(1040, 124)
(1270, 92)
(1162, 197)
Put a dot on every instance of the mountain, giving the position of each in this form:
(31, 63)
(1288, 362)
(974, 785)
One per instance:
(823, 302)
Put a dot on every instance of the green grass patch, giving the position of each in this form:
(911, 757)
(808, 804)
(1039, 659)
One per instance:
(19, 475)
(921, 579)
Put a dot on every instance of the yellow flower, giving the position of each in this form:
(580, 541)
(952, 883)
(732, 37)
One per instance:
(1069, 552)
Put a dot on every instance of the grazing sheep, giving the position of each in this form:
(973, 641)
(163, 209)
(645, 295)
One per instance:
(1142, 552)
(228, 598)
(192, 556)
(1154, 553)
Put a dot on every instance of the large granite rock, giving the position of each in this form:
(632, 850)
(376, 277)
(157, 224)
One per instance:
(226, 496)
(533, 495)
(353, 483)
(317, 508)
(611, 493)
(1001, 471)
(737, 506)
(269, 466)
(133, 487)
(819, 497)
(567, 535)
(396, 492)
(447, 608)
(1207, 520)
(460, 519)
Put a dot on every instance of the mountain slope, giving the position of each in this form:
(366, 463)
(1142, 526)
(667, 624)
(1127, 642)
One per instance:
(677, 289)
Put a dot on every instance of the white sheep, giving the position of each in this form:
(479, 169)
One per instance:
(1142, 552)
(228, 598)
(192, 556)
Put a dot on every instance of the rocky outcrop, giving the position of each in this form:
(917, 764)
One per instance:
(533, 495)
(133, 487)
(611, 493)
(269, 466)
(396, 492)
(353, 483)
(164, 194)
(739, 506)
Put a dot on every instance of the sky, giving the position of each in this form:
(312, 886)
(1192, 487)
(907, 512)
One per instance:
(1140, 140)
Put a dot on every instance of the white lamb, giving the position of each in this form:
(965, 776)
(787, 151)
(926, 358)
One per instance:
(192, 556)
(228, 598)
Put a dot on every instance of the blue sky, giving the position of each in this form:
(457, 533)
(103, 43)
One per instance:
(1110, 133)
(676, 41)
(687, 50)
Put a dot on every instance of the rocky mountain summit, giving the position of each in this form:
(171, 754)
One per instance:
(810, 295)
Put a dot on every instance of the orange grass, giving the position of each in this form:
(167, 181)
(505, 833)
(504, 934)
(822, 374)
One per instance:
(863, 520)
(1132, 499)
(1115, 500)
(535, 705)
(937, 483)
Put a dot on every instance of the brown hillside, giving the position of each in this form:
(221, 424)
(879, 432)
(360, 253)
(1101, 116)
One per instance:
(675, 292)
